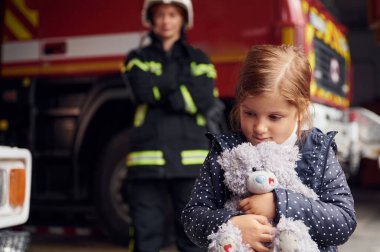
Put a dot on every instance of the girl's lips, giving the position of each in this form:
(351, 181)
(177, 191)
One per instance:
(258, 139)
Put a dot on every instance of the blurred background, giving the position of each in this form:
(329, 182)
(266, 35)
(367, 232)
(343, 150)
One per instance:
(364, 44)
(62, 97)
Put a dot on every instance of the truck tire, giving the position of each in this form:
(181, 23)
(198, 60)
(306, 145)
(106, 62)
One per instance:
(110, 195)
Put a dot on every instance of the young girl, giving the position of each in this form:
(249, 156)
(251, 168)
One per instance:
(272, 99)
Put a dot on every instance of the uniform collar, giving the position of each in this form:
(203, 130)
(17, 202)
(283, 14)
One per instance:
(179, 47)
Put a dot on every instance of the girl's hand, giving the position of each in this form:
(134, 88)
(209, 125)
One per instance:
(261, 204)
(255, 230)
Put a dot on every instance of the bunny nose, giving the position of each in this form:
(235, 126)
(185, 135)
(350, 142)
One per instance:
(260, 179)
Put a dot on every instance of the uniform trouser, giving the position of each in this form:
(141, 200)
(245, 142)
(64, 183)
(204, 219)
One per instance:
(149, 209)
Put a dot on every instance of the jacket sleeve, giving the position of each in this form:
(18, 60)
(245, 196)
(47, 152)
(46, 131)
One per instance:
(204, 212)
(331, 218)
(146, 79)
(195, 91)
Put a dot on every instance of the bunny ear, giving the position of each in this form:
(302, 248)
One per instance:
(221, 159)
(293, 153)
(230, 161)
(234, 163)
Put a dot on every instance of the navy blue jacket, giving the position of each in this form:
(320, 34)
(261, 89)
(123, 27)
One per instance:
(173, 92)
(331, 219)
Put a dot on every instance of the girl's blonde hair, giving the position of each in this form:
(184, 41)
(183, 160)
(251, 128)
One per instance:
(267, 68)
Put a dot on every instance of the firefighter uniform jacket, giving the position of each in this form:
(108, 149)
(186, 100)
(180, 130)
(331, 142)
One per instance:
(173, 91)
(331, 219)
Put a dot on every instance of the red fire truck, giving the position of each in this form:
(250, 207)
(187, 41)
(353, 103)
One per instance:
(62, 95)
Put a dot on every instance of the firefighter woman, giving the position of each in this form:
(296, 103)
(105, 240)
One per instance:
(173, 86)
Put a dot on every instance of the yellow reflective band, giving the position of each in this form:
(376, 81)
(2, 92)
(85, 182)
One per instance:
(200, 69)
(309, 34)
(156, 93)
(216, 92)
(311, 58)
(138, 63)
(155, 67)
(287, 35)
(140, 114)
(201, 120)
(305, 7)
(147, 66)
(329, 33)
(148, 157)
(189, 103)
(193, 157)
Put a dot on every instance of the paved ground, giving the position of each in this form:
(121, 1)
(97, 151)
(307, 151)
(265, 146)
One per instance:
(366, 237)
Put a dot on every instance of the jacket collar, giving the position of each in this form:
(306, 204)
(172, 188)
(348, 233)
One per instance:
(179, 48)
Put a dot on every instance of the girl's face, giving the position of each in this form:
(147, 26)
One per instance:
(167, 21)
(267, 117)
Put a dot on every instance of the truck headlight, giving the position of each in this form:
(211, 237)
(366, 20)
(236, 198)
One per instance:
(15, 186)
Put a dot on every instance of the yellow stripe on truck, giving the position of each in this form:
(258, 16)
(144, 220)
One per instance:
(16, 27)
(29, 14)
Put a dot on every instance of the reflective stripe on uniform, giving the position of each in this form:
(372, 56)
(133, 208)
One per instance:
(216, 92)
(156, 93)
(148, 157)
(140, 114)
(200, 69)
(201, 120)
(189, 103)
(138, 63)
(193, 157)
(155, 67)
(147, 66)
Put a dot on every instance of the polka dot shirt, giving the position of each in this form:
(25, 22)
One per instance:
(331, 219)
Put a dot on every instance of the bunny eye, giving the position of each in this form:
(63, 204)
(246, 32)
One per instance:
(254, 169)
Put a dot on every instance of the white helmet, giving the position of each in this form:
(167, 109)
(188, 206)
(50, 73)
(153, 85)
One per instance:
(185, 4)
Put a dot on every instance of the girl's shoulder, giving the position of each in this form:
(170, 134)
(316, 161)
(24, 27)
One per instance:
(227, 140)
(314, 137)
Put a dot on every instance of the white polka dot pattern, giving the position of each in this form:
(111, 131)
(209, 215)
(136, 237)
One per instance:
(331, 219)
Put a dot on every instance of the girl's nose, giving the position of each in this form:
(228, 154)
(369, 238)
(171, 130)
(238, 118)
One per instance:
(260, 128)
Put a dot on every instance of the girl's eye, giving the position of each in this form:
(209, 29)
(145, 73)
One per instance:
(249, 113)
(275, 117)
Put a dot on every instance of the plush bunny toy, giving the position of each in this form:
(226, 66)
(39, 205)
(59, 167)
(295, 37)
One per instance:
(259, 169)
